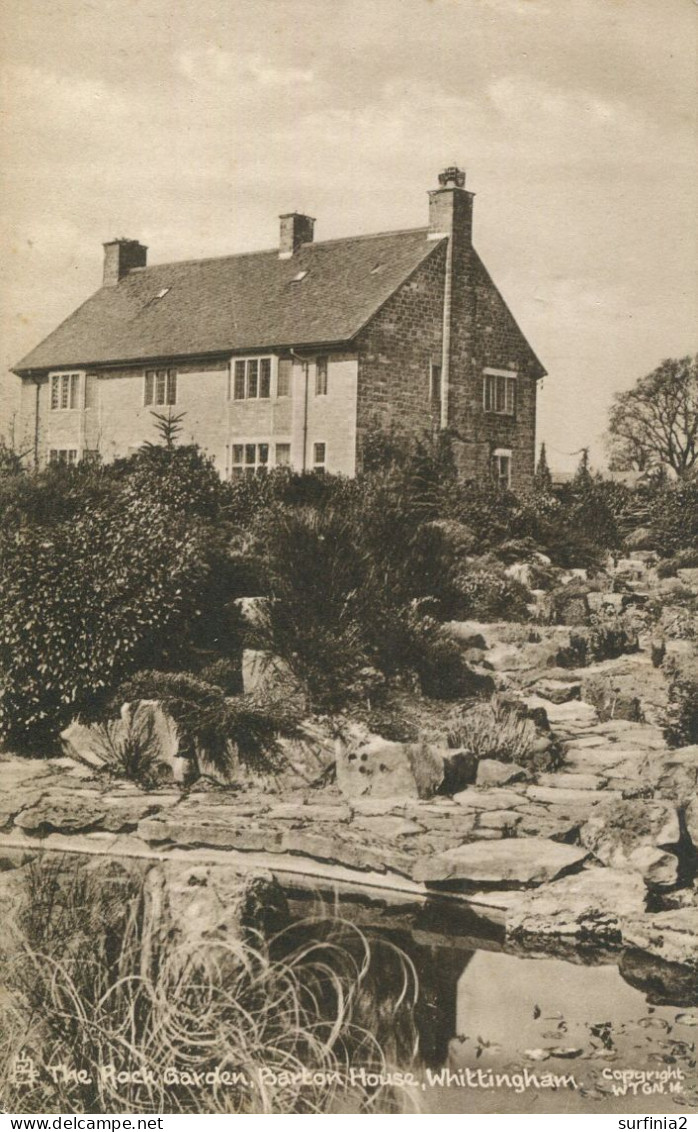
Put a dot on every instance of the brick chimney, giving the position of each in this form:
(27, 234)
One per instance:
(120, 257)
(295, 230)
(451, 209)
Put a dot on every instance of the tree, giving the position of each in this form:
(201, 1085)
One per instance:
(543, 480)
(655, 423)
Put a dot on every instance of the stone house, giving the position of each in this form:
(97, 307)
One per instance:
(292, 356)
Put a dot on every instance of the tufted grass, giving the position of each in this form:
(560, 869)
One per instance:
(98, 977)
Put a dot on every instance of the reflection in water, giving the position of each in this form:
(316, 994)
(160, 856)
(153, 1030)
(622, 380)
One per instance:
(98, 970)
(526, 1019)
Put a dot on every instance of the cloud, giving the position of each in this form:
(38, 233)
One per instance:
(207, 65)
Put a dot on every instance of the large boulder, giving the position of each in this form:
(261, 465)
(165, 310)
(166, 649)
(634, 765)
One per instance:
(198, 905)
(511, 863)
(587, 907)
(492, 772)
(673, 774)
(635, 835)
(368, 765)
(670, 936)
(661, 983)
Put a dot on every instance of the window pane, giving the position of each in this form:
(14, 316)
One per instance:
(160, 387)
(65, 390)
(511, 395)
(435, 390)
(74, 384)
(321, 377)
(265, 377)
(263, 453)
(91, 390)
(319, 453)
(501, 395)
(172, 387)
(149, 387)
(489, 393)
(283, 455)
(252, 377)
(53, 456)
(283, 380)
(239, 382)
(72, 456)
(237, 453)
(55, 393)
(250, 453)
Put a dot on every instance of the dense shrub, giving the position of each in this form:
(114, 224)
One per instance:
(181, 478)
(84, 603)
(674, 516)
(485, 593)
(611, 635)
(680, 723)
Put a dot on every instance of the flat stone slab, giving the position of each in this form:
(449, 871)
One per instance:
(562, 796)
(489, 798)
(574, 714)
(575, 782)
(510, 863)
(63, 813)
(587, 907)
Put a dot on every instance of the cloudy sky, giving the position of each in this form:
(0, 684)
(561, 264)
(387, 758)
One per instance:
(192, 126)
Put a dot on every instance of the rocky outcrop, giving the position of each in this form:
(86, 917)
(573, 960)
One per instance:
(634, 835)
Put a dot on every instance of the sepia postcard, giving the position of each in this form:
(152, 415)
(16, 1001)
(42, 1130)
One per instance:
(349, 559)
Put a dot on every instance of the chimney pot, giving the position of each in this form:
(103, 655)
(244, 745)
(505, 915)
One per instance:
(451, 209)
(295, 229)
(120, 257)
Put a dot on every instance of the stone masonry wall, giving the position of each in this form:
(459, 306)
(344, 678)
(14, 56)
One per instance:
(396, 351)
(485, 334)
(398, 347)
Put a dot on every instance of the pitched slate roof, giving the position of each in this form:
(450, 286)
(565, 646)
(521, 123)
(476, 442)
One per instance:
(237, 302)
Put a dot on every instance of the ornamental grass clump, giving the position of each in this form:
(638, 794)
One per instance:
(493, 730)
(98, 981)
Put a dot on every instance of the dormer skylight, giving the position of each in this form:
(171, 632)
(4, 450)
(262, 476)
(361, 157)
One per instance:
(162, 292)
(299, 277)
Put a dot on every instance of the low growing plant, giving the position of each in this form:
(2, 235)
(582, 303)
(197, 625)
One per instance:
(493, 730)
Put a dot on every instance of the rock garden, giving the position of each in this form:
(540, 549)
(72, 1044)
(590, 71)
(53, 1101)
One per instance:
(396, 684)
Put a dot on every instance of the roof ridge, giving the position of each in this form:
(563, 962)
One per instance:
(275, 251)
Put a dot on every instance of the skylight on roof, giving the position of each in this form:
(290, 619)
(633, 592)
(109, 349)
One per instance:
(162, 292)
(297, 278)
(376, 268)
